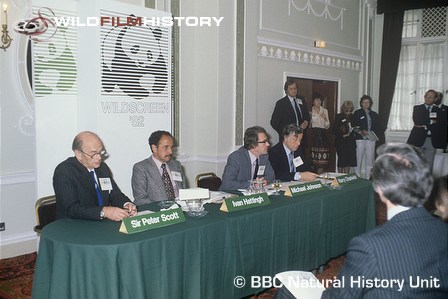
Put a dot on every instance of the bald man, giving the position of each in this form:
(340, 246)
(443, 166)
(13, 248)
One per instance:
(84, 186)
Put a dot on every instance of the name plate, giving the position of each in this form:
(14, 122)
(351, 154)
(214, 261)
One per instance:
(298, 189)
(233, 204)
(150, 221)
(347, 178)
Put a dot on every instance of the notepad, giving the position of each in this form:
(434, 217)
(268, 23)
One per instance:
(193, 193)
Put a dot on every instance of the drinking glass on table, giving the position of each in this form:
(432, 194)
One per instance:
(257, 185)
(277, 186)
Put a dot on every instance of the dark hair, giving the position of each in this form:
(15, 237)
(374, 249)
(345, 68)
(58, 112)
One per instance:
(439, 98)
(317, 96)
(78, 141)
(251, 136)
(402, 173)
(366, 97)
(292, 128)
(288, 83)
(156, 136)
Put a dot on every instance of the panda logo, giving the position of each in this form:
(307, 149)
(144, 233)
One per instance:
(137, 67)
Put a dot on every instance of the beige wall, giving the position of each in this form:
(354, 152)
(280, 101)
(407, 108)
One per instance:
(207, 92)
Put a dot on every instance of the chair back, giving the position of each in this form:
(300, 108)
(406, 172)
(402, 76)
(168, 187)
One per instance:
(208, 180)
(45, 212)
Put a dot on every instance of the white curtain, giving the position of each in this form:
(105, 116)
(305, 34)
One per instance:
(421, 68)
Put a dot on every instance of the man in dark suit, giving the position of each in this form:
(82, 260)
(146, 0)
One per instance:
(286, 157)
(407, 257)
(149, 183)
(249, 161)
(429, 131)
(291, 109)
(84, 186)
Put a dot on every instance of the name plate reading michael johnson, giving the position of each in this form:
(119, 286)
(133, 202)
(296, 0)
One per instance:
(298, 189)
(233, 204)
(150, 221)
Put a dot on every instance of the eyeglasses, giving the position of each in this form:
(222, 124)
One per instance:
(101, 153)
(264, 141)
(167, 147)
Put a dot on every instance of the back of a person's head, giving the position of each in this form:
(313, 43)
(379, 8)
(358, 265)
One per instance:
(402, 173)
(439, 197)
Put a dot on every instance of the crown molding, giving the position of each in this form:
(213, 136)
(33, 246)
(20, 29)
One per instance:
(283, 51)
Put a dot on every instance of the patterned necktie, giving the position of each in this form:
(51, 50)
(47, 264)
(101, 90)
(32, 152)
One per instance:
(291, 162)
(298, 112)
(256, 169)
(97, 189)
(167, 182)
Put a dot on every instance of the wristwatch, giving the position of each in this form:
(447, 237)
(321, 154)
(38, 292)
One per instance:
(102, 215)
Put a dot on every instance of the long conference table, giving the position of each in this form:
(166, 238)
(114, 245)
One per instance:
(201, 257)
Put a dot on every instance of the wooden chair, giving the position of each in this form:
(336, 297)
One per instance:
(45, 212)
(208, 180)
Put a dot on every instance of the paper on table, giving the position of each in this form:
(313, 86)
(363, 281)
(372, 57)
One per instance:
(246, 192)
(144, 212)
(193, 193)
(301, 284)
(174, 206)
(217, 197)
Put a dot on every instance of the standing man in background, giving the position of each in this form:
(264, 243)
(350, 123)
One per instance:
(429, 131)
(159, 177)
(291, 109)
(84, 186)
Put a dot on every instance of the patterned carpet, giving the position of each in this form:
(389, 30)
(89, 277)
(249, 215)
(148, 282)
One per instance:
(16, 276)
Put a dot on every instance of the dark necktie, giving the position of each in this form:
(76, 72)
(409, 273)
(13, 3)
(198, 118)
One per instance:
(256, 169)
(298, 111)
(97, 189)
(167, 182)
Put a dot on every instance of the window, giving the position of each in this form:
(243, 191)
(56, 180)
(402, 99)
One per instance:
(423, 63)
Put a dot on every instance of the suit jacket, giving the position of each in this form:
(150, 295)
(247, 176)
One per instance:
(280, 163)
(420, 116)
(412, 244)
(75, 191)
(360, 119)
(147, 183)
(284, 114)
(238, 170)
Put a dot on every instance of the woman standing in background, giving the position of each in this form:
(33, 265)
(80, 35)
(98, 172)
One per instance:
(345, 140)
(320, 123)
(367, 124)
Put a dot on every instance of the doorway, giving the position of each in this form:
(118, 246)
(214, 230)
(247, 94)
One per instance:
(329, 91)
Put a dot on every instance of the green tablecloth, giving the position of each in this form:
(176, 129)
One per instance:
(201, 257)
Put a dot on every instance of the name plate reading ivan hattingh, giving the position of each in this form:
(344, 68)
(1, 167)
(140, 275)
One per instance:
(150, 221)
(295, 190)
(233, 204)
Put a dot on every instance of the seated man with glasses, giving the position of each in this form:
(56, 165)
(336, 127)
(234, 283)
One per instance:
(287, 158)
(248, 162)
(159, 177)
(84, 186)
